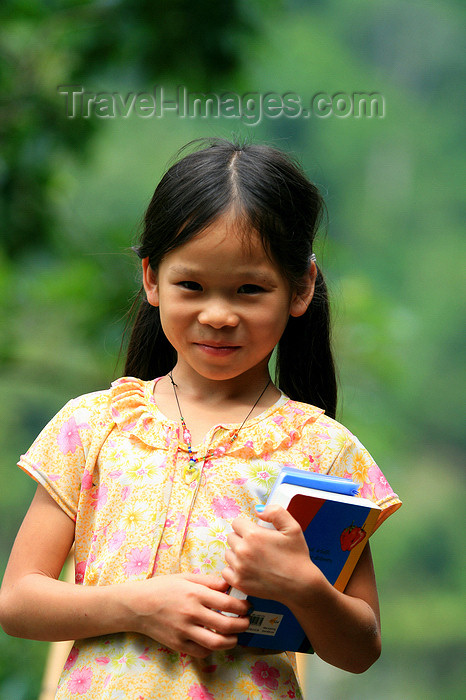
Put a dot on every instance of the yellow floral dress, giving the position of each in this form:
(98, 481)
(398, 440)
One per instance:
(118, 467)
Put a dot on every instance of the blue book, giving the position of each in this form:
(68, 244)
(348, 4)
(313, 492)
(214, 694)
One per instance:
(336, 524)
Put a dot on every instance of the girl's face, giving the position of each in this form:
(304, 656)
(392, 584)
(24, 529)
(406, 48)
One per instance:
(223, 303)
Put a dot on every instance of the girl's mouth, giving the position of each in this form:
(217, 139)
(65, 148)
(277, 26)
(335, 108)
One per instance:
(217, 350)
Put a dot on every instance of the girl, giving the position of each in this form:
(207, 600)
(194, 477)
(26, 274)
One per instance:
(156, 479)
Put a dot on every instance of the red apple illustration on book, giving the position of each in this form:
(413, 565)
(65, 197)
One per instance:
(351, 536)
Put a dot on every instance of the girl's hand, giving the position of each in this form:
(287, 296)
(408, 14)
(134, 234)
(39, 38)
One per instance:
(181, 612)
(343, 628)
(269, 563)
(177, 610)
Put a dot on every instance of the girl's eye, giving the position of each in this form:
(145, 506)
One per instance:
(192, 286)
(250, 289)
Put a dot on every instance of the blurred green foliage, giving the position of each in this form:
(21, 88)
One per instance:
(43, 45)
(73, 192)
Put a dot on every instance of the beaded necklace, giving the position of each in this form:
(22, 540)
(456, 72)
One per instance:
(191, 468)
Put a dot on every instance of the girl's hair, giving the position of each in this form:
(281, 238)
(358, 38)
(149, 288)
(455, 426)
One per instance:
(270, 194)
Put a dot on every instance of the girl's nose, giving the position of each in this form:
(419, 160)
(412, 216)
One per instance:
(218, 314)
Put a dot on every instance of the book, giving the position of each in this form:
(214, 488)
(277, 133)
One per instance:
(336, 524)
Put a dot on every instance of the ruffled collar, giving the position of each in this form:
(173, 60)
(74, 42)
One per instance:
(135, 412)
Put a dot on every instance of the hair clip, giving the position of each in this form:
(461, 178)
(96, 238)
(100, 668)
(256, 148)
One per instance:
(312, 258)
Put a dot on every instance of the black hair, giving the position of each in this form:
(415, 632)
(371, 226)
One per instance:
(272, 195)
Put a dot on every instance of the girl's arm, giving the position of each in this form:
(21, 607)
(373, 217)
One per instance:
(343, 628)
(178, 611)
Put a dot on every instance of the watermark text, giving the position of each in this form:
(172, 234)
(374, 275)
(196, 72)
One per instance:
(250, 107)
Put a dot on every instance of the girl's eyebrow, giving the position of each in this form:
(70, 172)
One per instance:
(182, 270)
(255, 275)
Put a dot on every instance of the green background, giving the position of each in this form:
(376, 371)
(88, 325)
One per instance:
(73, 192)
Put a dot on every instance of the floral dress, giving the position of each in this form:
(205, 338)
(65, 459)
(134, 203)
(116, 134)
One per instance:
(118, 467)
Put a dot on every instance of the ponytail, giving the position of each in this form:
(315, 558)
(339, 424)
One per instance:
(305, 369)
(149, 353)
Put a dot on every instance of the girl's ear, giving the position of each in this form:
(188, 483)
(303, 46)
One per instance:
(149, 280)
(302, 297)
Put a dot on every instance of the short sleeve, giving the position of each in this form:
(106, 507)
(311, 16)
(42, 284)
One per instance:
(354, 462)
(57, 458)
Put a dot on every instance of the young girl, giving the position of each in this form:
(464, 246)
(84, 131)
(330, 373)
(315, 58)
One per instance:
(156, 479)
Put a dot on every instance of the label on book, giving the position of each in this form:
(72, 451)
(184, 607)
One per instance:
(264, 623)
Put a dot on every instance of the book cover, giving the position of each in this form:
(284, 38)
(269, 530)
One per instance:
(336, 524)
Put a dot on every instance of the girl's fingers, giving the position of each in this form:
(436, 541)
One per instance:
(209, 598)
(242, 526)
(186, 615)
(225, 625)
(223, 602)
(212, 581)
(280, 518)
(207, 644)
(233, 541)
(212, 594)
(193, 649)
(232, 565)
(211, 641)
(229, 557)
(229, 576)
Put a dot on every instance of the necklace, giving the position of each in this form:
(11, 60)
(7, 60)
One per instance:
(191, 468)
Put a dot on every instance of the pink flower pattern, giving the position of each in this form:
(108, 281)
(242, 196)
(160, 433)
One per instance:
(265, 675)
(181, 521)
(86, 481)
(115, 474)
(80, 681)
(100, 497)
(102, 660)
(225, 507)
(116, 540)
(137, 560)
(72, 657)
(199, 692)
(68, 438)
(381, 485)
(80, 570)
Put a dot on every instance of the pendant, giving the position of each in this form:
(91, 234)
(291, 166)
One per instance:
(191, 472)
